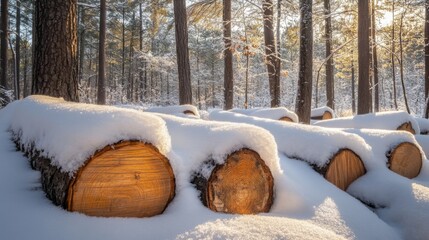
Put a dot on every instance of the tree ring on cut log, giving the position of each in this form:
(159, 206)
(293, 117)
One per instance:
(344, 168)
(286, 119)
(406, 160)
(407, 127)
(189, 112)
(243, 185)
(128, 179)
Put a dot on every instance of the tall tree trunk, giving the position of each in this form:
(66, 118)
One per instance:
(305, 77)
(427, 58)
(181, 27)
(141, 51)
(375, 60)
(393, 56)
(25, 80)
(329, 64)
(353, 86)
(18, 48)
(272, 60)
(402, 61)
(55, 49)
(123, 46)
(4, 47)
(82, 42)
(228, 70)
(101, 93)
(131, 56)
(364, 100)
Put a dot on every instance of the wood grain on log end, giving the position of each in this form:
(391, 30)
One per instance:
(344, 168)
(128, 179)
(407, 127)
(286, 119)
(242, 185)
(406, 160)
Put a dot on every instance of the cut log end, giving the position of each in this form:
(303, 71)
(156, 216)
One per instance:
(189, 112)
(129, 179)
(344, 168)
(406, 160)
(407, 127)
(286, 119)
(326, 115)
(242, 185)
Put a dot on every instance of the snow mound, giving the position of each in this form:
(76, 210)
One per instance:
(315, 145)
(423, 125)
(269, 113)
(197, 141)
(178, 110)
(69, 133)
(316, 112)
(383, 120)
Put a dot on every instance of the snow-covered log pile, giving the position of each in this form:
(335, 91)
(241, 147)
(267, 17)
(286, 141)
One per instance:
(383, 120)
(97, 160)
(337, 155)
(322, 113)
(279, 113)
(179, 110)
(233, 166)
(397, 150)
(423, 125)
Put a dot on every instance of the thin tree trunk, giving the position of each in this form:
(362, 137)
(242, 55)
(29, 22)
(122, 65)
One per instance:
(131, 56)
(364, 100)
(123, 46)
(26, 56)
(402, 62)
(141, 51)
(228, 70)
(329, 64)
(4, 47)
(101, 93)
(82, 43)
(353, 86)
(18, 48)
(55, 49)
(375, 60)
(393, 56)
(305, 77)
(271, 56)
(181, 28)
(427, 58)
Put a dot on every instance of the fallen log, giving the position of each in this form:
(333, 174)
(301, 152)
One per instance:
(179, 110)
(383, 120)
(279, 113)
(322, 113)
(338, 157)
(130, 178)
(232, 172)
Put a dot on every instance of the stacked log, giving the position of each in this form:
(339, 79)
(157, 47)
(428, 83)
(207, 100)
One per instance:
(325, 116)
(338, 157)
(179, 110)
(129, 178)
(322, 113)
(279, 113)
(230, 179)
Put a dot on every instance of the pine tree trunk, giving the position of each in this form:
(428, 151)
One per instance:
(123, 46)
(305, 78)
(82, 43)
(427, 57)
(141, 95)
(329, 64)
(4, 47)
(375, 61)
(228, 70)
(55, 49)
(402, 62)
(393, 56)
(18, 48)
(271, 53)
(353, 87)
(181, 28)
(364, 100)
(101, 93)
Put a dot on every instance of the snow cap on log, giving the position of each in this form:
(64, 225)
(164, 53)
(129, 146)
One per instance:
(322, 113)
(82, 128)
(423, 125)
(179, 110)
(393, 120)
(279, 113)
(315, 145)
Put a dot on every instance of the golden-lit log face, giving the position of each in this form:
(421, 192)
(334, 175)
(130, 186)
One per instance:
(407, 127)
(344, 168)
(130, 179)
(406, 160)
(243, 185)
(286, 119)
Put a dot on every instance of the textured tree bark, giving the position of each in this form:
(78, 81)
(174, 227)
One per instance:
(228, 76)
(427, 58)
(329, 64)
(4, 47)
(305, 78)
(375, 60)
(272, 61)
(353, 86)
(181, 27)
(55, 49)
(101, 87)
(364, 100)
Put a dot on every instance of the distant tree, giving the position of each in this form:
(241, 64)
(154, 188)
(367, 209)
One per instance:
(18, 48)
(55, 49)
(329, 63)
(4, 47)
(101, 93)
(272, 60)
(180, 19)
(305, 77)
(392, 56)
(228, 71)
(364, 100)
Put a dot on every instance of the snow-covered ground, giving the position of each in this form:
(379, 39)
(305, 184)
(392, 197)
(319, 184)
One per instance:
(305, 206)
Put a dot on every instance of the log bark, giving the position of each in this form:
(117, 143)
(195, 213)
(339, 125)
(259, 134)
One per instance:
(242, 185)
(127, 179)
(405, 159)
